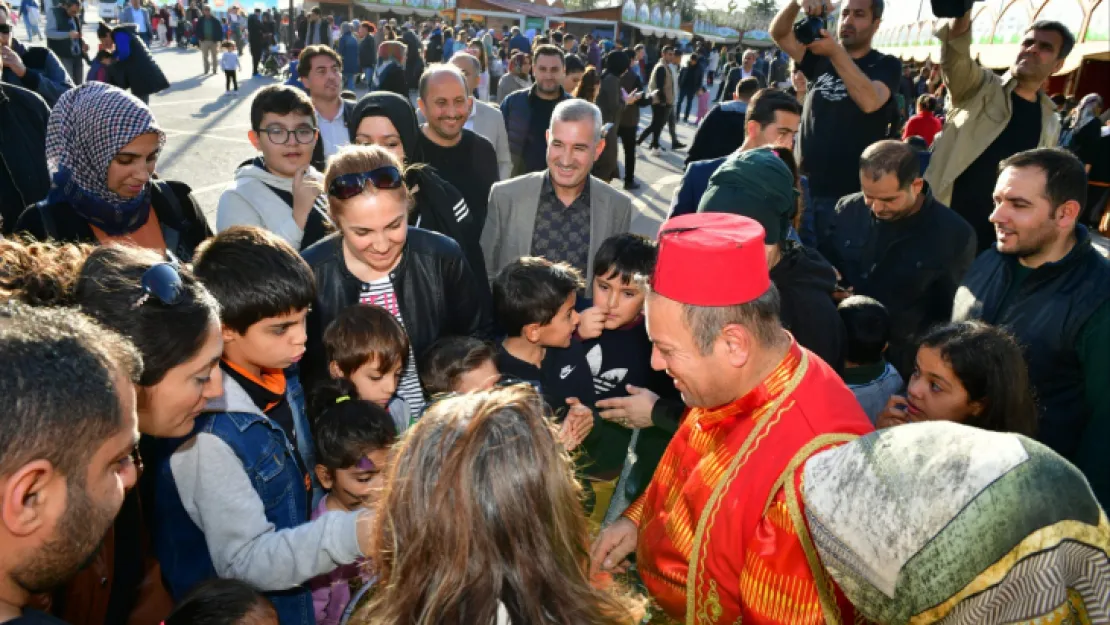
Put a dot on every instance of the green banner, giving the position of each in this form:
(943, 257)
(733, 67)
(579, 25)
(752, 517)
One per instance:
(534, 22)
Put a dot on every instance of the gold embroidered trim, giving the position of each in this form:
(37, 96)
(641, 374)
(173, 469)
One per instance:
(1040, 540)
(825, 593)
(758, 433)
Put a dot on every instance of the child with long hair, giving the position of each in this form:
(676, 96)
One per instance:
(480, 522)
(353, 440)
(969, 372)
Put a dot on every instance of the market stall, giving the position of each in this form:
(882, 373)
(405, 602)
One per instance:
(654, 21)
(400, 9)
(497, 13)
(716, 35)
(601, 23)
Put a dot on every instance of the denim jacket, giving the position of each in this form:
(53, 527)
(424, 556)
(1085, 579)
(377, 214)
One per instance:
(228, 493)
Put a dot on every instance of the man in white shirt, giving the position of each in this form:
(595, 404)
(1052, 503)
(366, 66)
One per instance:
(137, 15)
(321, 71)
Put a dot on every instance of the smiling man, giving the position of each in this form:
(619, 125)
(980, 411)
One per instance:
(562, 213)
(528, 111)
(992, 117)
(1046, 284)
(460, 156)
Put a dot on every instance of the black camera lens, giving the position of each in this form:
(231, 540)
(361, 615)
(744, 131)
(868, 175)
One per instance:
(809, 30)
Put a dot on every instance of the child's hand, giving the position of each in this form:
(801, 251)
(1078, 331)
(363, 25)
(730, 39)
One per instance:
(894, 413)
(591, 322)
(578, 423)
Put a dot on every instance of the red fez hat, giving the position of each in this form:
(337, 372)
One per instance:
(711, 259)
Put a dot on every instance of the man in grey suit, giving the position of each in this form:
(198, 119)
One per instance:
(485, 119)
(562, 213)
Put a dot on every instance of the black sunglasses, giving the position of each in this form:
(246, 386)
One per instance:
(347, 186)
(163, 282)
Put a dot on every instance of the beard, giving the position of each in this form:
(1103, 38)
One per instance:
(76, 540)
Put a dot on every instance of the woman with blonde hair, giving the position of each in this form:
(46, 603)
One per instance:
(481, 523)
(421, 277)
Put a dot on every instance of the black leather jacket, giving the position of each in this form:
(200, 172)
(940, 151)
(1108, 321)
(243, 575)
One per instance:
(437, 293)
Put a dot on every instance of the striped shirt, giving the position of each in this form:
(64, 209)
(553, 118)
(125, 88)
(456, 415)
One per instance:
(380, 293)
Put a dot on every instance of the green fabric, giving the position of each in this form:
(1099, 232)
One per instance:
(864, 374)
(1093, 348)
(756, 184)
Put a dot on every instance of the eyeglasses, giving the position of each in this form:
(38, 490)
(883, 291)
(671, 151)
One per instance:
(347, 186)
(280, 136)
(162, 282)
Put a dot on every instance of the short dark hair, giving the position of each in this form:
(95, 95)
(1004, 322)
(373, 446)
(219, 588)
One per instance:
(254, 275)
(867, 324)
(220, 602)
(1065, 175)
(102, 29)
(532, 290)
(449, 358)
(926, 102)
(107, 289)
(280, 100)
(346, 427)
(630, 256)
(362, 334)
(304, 62)
(1067, 39)
(766, 102)
(666, 49)
(549, 50)
(747, 87)
(891, 157)
(877, 9)
(573, 63)
(59, 395)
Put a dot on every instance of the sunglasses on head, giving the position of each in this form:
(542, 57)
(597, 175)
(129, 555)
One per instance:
(162, 282)
(347, 186)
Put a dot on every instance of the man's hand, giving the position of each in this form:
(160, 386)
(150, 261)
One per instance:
(633, 411)
(12, 61)
(894, 413)
(633, 97)
(826, 46)
(577, 424)
(306, 188)
(816, 7)
(591, 322)
(610, 551)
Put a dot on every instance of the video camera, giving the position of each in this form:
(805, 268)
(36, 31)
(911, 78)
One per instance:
(809, 29)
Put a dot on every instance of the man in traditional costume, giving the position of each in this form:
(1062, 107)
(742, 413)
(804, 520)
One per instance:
(720, 535)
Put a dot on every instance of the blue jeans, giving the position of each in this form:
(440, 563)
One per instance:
(817, 219)
(146, 37)
(349, 81)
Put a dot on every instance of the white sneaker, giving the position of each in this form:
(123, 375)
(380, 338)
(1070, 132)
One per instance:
(654, 151)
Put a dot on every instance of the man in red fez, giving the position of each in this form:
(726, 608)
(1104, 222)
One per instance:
(719, 534)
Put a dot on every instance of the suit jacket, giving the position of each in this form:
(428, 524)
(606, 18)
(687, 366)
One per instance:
(511, 219)
(489, 123)
(728, 92)
(318, 159)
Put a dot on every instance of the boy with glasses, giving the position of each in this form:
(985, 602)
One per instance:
(279, 190)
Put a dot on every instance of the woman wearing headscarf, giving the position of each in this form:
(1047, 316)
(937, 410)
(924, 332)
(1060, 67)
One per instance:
(102, 146)
(390, 75)
(611, 102)
(387, 119)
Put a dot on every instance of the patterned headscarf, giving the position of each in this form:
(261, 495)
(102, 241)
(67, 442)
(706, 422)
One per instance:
(89, 125)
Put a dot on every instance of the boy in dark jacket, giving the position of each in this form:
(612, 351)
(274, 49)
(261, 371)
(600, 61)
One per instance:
(618, 352)
(234, 498)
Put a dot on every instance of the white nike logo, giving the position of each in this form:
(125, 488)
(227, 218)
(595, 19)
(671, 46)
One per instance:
(565, 372)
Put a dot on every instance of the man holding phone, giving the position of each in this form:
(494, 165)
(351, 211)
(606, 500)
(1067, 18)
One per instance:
(34, 68)
(849, 104)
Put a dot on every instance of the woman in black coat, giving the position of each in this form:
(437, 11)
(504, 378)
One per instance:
(133, 67)
(102, 145)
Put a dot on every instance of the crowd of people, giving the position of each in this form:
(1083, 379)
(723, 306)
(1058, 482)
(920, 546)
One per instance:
(420, 371)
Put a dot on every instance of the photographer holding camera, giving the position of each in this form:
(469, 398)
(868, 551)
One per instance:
(991, 117)
(848, 104)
